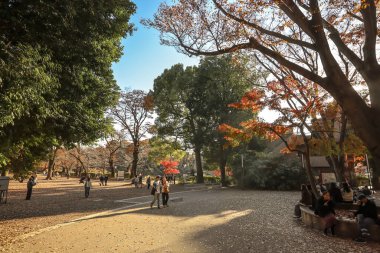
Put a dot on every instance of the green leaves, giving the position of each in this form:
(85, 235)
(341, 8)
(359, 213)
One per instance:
(56, 80)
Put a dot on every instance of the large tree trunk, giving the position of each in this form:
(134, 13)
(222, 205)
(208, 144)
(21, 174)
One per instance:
(365, 120)
(110, 162)
(376, 172)
(51, 163)
(198, 164)
(135, 159)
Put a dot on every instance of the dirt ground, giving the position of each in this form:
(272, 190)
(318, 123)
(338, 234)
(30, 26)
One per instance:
(203, 221)
(57, 201)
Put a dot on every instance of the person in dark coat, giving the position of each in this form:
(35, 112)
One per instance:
(335, 193)
(366, 216)
(325, 209)
(101, 179)
(105, 179)
(306, 196)
(29, 186)
(148, 182)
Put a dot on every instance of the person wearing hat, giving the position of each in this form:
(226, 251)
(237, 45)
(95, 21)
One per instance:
(366, 216)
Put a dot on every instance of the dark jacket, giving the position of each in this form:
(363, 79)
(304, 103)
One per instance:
(323, 210)
(31, 183)
(369, 210)
(336, 194)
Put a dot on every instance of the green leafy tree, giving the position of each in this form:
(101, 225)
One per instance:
(56, 79)
(179, 99)
(225, 79)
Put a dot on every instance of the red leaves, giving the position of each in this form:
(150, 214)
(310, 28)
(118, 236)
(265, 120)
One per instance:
(168, 164)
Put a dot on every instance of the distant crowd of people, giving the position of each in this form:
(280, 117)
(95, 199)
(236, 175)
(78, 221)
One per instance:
(324, 206)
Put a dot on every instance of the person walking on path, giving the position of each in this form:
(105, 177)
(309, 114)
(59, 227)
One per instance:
(101, 179)
(366, 216)
(31, 182)
(156, 190)
(140, 180)
(105, 179)
(148, 182)
(87, 187)
(325, 209)
(165, 192)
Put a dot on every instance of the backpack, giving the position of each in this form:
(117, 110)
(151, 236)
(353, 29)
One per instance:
(154, 189)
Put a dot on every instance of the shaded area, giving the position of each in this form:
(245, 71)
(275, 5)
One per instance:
(59, 201)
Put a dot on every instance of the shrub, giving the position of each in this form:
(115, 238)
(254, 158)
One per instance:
(269, 171)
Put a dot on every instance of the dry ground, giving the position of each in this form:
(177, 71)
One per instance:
(57, 201)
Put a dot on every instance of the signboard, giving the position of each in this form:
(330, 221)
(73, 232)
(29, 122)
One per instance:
(328, 178)
(4, 183)
(120, 175)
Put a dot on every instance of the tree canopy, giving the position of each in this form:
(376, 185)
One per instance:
(56, 80)
(327, 42)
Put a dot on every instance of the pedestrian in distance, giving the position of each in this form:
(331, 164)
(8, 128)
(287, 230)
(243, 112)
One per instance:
(140, 180)
(101, 180)
(165, 192)
(105, 179)
(366, 216)
(136, 182)
(156, 191)
(148, 182)
(87, 187)
(325, 209)
(31, 183)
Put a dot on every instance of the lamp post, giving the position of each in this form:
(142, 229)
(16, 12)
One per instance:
(242, 168)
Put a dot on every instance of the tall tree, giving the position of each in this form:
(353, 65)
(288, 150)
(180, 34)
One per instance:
(225, 80)
(133, 113)
(179, 100)
(336, 31)
(55, 69)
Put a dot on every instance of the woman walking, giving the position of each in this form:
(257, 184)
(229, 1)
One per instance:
(325, 209)
(165, 192)
(87, 187)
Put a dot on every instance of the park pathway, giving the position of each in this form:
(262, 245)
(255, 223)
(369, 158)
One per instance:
(223, 220)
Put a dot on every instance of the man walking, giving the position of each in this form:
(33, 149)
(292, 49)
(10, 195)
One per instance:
(148, 182)
(140, 180)
(31, 182)
(156, 190)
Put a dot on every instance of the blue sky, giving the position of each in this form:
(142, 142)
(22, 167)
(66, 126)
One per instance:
(144, 58)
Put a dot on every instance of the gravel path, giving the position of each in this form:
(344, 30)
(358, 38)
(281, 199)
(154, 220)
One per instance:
(224, 220)
(58, 201)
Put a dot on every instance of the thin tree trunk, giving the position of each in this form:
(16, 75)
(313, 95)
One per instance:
(135, 159)
(222, 164)
(333, 162)
(198, 164)
(310, 175)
